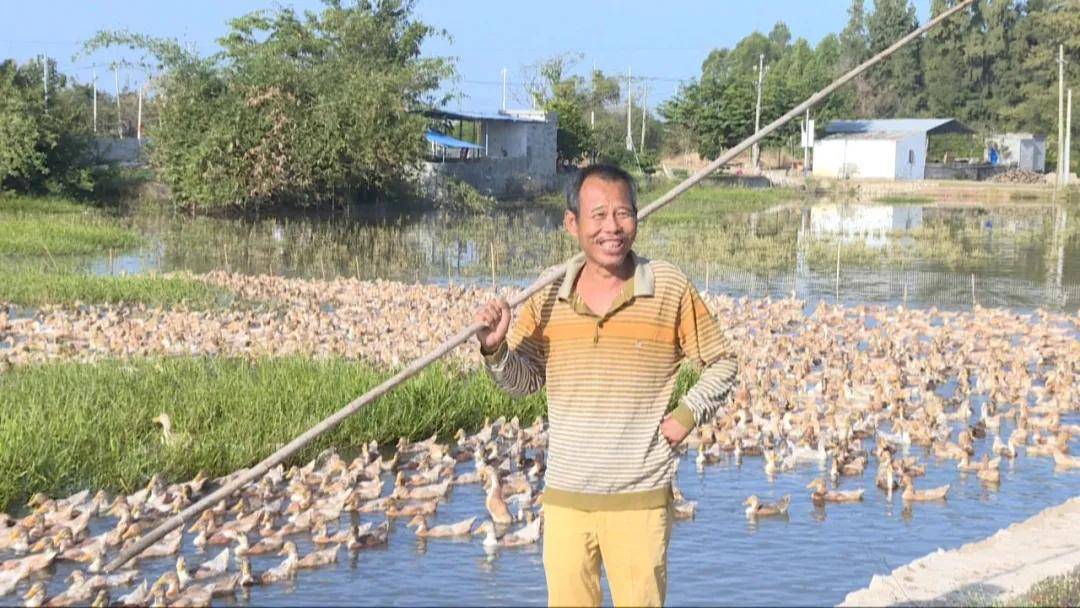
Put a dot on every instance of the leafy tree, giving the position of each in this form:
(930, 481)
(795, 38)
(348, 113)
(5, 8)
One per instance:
(296, 109)
(43, 148)
(897, 83)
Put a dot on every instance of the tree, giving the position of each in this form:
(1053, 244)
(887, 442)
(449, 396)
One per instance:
(896, 85)
(42, 148)
(309, 109)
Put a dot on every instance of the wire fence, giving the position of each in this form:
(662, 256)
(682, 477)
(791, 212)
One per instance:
(911, 287)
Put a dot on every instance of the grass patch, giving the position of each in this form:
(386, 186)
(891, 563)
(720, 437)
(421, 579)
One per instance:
(699, 203)
(27, 286)
(63, 234)
(904, 199)
(31, 226)
(67, 426)
(1061, 590)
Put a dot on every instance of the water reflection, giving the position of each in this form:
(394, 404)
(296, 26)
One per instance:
(922, 255)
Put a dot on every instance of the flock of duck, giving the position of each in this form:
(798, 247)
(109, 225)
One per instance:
(336, 505)
(859, 392)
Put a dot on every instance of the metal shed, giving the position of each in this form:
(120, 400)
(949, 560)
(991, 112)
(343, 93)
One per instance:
(879, 148)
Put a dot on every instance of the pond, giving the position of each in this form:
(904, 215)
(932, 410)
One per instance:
(814, 556)
(948, 255)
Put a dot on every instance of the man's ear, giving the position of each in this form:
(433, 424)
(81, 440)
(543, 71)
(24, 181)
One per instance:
(569, 222)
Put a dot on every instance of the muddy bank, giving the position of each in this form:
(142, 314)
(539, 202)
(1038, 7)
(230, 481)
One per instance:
(993, 569)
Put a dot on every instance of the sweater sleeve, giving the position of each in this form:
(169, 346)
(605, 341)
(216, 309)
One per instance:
(702, 341)
(519, 365)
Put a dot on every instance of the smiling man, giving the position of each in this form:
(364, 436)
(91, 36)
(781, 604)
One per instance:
(607, 339)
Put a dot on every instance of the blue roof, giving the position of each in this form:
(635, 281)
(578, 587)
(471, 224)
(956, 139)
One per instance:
(897, 125)
(450, 142)
(511, 116)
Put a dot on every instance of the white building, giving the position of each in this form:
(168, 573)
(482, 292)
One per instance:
(878, 149)
(514, 152)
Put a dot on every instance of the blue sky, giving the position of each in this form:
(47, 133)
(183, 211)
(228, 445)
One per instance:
(663, 41)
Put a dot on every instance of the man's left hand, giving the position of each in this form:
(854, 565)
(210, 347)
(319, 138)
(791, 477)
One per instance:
(673, 430)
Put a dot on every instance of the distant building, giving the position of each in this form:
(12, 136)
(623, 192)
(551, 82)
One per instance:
(879, 149)
(1021, 150)
(505, 154)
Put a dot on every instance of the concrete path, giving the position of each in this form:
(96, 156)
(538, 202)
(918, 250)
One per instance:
(995, 568)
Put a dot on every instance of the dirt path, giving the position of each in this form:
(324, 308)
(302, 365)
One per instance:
(998, 567)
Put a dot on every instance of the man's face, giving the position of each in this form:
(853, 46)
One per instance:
(606, 223)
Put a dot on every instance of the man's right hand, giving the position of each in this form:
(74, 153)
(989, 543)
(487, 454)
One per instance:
(495, 315)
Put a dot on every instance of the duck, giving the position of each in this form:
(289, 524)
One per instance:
(989, 476)
(1065, 462)
(137, 596)
(487, 528)
(461, 528)
(314, 559)
(368, 536)
(284, 571)
(525, 535)
(35, 595)
(910, 494)
(822, 495)
(494, 502)
(169, 438)
(755, 508)
(213, 567)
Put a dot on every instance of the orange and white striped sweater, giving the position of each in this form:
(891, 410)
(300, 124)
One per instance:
(609, 380)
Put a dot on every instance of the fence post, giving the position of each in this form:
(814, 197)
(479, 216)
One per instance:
(973, 290)
(706, 276)
(837, 270)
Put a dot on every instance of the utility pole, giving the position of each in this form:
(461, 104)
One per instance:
(807, 135)
(1068, 139)
(629, 110)
(116, 78)
(1061, 113)
(138, 121)
(504, 89)
(755, 154)
(95, 99)
(644, 93)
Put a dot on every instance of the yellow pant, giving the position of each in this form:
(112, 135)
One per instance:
(632, 544)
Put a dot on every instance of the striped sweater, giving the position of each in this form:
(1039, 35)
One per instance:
(609, 380)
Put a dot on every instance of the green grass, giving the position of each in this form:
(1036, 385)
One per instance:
(67, 426)
(31, 226)
(62, 234)
(904, 199)
(700, 202)
(25, 285)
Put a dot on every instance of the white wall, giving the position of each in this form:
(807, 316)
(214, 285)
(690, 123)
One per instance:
(911, 157)
(856, 158)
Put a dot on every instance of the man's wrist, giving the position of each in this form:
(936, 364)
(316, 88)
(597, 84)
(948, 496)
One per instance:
(495, 356)
(684, 416)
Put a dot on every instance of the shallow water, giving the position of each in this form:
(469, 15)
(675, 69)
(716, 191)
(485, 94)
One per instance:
(947, 255)
(814, 556)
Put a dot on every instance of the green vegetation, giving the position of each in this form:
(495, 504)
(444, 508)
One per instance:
(67, 426)
(40, 239)
(904, 199)
(61, 235)
(700, 203)
(1061, 590)
(43, 147)
(26, 285)
(54, 227)
(315, 109)
(993, 67)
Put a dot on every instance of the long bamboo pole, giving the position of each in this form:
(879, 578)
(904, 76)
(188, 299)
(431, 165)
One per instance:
(240, 480)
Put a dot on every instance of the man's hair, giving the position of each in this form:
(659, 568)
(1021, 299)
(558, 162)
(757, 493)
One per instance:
(608, 173)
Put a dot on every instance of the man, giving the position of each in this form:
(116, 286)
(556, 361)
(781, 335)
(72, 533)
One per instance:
(607, 340)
